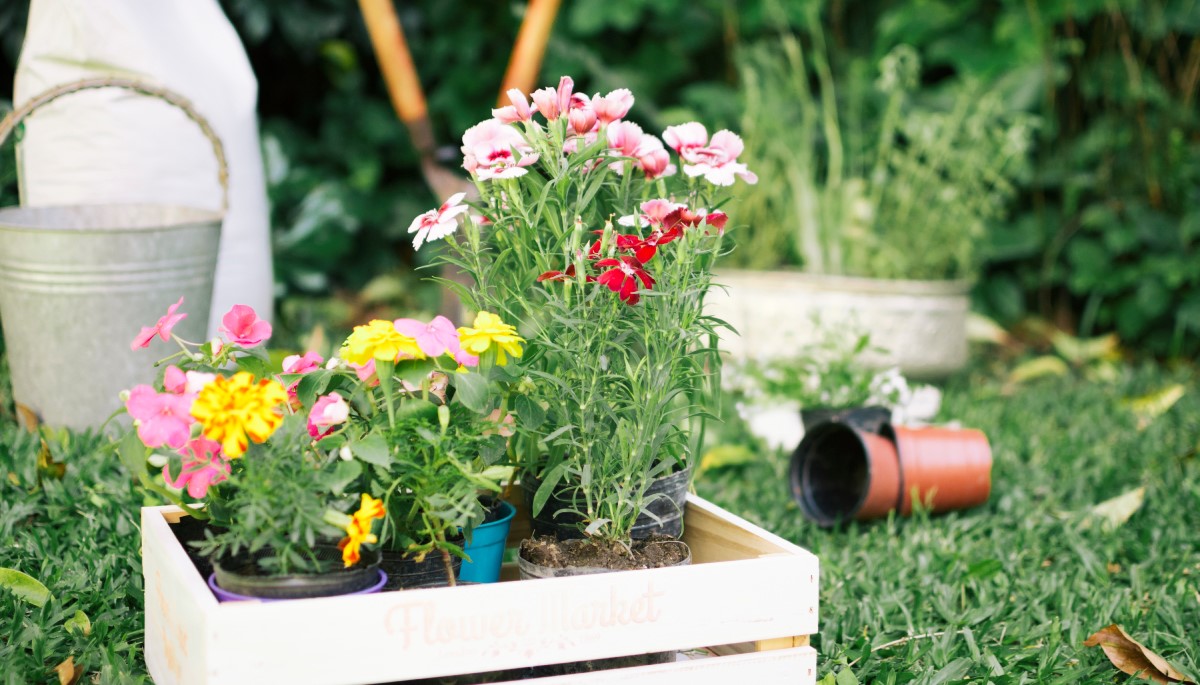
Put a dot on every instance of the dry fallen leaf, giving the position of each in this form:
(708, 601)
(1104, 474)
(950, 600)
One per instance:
(1038, 367)
(1149, 407)
(1116, 511)
(68, 672)
(1131, 657)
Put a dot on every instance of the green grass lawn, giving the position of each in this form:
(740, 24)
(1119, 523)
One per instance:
(1005, 593)
(1008, 592)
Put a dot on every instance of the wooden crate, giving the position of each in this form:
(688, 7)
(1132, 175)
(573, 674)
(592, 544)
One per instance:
(750, 597)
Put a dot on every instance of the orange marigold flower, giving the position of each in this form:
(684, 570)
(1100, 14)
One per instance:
(358, 531)
(236, 410)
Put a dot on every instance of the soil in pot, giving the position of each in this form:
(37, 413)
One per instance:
(242, 575)
(599, 557)
(545, 557)
(493, 509)
(406, 573)
(555, 519)
(188, 530)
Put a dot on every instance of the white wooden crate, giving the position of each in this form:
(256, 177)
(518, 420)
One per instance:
(749, 595)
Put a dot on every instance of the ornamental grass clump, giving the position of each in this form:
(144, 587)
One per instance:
(597, 240)
(385, 445)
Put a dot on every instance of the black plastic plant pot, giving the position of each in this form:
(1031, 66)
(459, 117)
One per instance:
(406, 573)
(870, 419)
(840, 472)
(241, 575)
(188, 530)
(662, 515)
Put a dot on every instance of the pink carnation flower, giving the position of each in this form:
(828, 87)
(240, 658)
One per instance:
(492, 149)
(613, 106)
(715, 160)
(438, 223)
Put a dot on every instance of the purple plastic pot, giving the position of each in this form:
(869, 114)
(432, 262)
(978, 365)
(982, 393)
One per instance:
(227, 596)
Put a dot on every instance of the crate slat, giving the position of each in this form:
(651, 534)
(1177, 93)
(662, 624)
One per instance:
(745, 586)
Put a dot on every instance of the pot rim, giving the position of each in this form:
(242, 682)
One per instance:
(858, 284)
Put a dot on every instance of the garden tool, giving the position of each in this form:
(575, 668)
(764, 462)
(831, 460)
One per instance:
(408, 98)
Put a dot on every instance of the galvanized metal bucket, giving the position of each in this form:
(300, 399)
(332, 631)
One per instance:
(77, 283)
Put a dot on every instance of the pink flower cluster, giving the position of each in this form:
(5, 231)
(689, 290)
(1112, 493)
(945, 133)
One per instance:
(240, 325)
(164, 419)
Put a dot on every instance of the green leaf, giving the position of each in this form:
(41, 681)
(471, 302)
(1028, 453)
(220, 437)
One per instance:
(79, 623)
(985, 568)
(846, 677)
(955, 670)
(261, 368)
(25, 587)
(342, 476)
(372, 449)
(312, 385)
(529, 412)
(547, 487)
(133, 453)
(472, 391)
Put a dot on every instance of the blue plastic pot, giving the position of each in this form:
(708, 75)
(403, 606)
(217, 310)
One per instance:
(486, 549)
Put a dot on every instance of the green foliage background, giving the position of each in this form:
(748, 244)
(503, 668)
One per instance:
(1103, 235)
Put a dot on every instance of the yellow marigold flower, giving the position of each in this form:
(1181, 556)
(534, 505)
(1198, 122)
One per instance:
(490, 329)
(235, 410)
(358, 530)
(380, 340)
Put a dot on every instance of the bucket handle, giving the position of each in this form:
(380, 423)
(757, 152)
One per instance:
(17, 115)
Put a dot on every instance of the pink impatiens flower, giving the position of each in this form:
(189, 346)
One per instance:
(242, 326)
(203, 466)
(162, 329)
(174, 380)
(329, 411)
(613, 106)
(365, 372)
(715, 160)
(622, 277)
(492, 149)
(438, 223)
(300, 364)
(162, 418)
(309, 361)
(434, 338)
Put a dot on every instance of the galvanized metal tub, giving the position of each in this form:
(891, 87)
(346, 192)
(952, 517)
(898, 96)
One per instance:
(920, 326)
(77, 283)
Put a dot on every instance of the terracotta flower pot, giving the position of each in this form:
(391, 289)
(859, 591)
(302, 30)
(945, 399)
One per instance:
(946, 468)
(841, 473)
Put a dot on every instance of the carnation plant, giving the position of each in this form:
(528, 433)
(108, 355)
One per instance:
(598, 240)
(400, 427)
